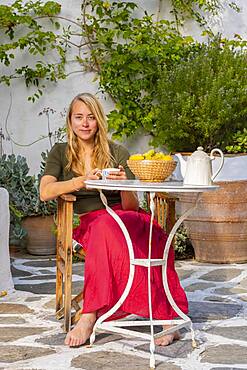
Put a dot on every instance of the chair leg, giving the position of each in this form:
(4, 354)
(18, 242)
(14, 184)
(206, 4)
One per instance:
(68, 265)
(170, 214)
(165, 211)
(64, 259)
(59, 274)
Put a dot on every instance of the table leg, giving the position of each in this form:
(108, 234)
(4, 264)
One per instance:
(102, 318)
(164, 272)
(152, 344)
(148, 263)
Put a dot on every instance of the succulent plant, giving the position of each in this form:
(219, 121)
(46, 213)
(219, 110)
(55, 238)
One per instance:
(23, 195)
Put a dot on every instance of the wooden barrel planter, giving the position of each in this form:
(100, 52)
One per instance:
(41, 241)
(218, 227)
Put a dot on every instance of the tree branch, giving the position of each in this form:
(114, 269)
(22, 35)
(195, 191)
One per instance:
(59, 17)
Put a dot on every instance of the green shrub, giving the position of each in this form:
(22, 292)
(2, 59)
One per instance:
(182, 245)
(202, 100)
(239, 143)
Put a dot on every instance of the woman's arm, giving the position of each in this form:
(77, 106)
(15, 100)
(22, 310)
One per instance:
(51, 188)
(129, 200)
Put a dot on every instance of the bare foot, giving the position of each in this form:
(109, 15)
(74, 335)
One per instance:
(167, 339)
(82, 331)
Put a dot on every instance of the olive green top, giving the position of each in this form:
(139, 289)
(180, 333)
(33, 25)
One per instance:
(86, 200)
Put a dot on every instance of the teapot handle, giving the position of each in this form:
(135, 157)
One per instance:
(221, 162)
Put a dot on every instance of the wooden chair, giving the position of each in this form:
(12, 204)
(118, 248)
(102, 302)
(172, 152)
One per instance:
(64, 300)
(165, 215)
(165, 212)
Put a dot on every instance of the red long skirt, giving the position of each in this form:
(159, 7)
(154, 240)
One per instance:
(107, 266)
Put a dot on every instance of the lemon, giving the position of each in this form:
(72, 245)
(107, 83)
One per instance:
(136, 157)
(151, 155)
(167, 157)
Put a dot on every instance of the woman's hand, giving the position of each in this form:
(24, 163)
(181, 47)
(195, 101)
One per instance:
(79, 180)
(94, 174)
(121, 175)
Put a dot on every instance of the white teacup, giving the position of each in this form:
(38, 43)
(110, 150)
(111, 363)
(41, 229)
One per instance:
(106, 171)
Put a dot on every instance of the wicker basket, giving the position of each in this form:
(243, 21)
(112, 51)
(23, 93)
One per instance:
(152, 170)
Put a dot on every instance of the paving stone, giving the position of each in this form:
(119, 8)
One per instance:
(42, 288)
(40, 277)
(77, 287)
(8, 334)
(33, 299)
(11, 320)
(214, 306)
(23, 253)
(53, 340)
(243, 284)
(146, 328)
(178, 349)
(204, 311)
(47, 288)
(184, 274)
(226, 368)
(53, 318)
(225, 274)
(50, 304)
(17, 273)
(216, 299)
(47, 272)
(238, 290)
(102, 338)
(78, 268)
(226, 354)
(178, 264)
(243, 298)
(113, 360)
(10, 354)
(232, 332)
(14, 308)
(225, 291)
(58, 339)
(198, 286)
(41, 263)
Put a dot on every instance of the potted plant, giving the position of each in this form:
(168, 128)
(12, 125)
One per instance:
(26, 207)
(203, 101)
(14, 177)
(39, 220)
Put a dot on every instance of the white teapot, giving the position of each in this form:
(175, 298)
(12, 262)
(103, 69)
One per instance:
(198, 168)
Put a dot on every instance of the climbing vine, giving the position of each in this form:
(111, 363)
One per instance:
(198, 9)
(24, 28)
(127, 53)
(22, 32)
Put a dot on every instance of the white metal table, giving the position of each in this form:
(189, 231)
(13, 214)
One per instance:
(119, 326)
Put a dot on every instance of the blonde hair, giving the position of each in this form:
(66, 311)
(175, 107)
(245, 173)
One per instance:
(101, 157)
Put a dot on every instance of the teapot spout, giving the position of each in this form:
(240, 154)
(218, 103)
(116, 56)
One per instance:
(182, 163)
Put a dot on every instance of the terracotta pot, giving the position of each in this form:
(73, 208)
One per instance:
(218, 227)
(41, 240)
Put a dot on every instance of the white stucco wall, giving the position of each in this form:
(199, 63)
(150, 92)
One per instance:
(6, 282)
(26, 126)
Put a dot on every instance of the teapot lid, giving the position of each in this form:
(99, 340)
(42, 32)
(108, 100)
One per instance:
(199, 153)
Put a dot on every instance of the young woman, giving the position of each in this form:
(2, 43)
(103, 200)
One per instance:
(107, 260)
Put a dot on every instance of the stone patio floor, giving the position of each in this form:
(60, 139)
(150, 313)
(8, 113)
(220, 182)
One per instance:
(31, 337)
